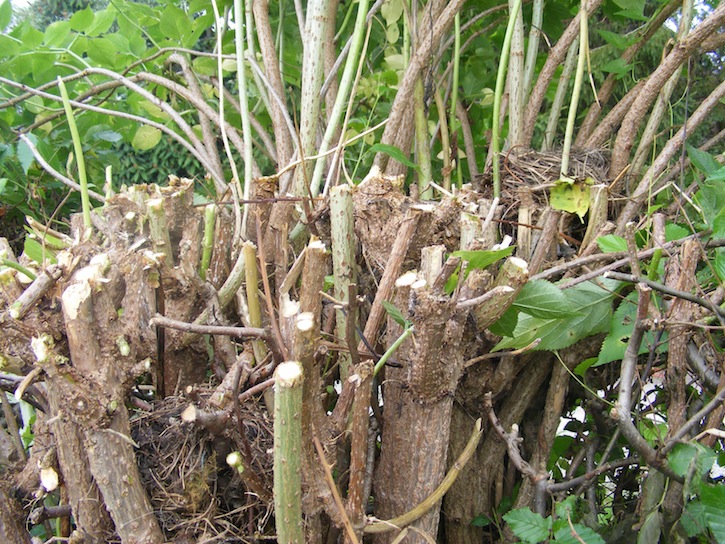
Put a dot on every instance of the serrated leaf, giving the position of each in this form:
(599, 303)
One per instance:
(541, 298)
(693, 519)
(683, 456)
(396, 314)
(620, 331)
(594, 304)
(581, 533)
(712, 498)
(611, 243)
(394, 153)
(673, 231)
(702, 160)
(566, 507)
(527, 525)
(571, 197)
(146, 137)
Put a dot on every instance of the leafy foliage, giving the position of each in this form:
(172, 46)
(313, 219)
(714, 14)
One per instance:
(593, 314)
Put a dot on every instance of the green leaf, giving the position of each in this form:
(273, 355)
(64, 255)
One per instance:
(616, 39)
(619, 67)
(702, 160)
(566, 507)
(56, 34)
(478, 260)
(104, 51)
(394, 153)
(631, 9)
(651, 528)
(611, 243)
(718, 225)
(582, 534)
(594, 304)
(35, 251)
(527, 525)
(622, 325)
(506, 324)
(6, 14)
(713, 499)
(101, 23)
(146, 137)
(572, 197)
(683, 456)
(81, 20)
(31, 37)
(481, 521)
(719, 263)
(25, 156)
(108, 136)
(396, 314)
(673, 231)
(711, 196)
(693, 519)
(539, 298)
(174, 23)
(8, 46)
(581, 368)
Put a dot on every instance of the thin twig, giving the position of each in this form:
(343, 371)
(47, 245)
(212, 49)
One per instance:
(333, 489)
(236, 332)
(666, 290)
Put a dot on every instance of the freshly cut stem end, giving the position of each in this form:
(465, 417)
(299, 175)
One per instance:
(287, 452)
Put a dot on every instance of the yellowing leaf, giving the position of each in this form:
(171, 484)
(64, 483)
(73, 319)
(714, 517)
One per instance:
(571, 196)
(146, 137)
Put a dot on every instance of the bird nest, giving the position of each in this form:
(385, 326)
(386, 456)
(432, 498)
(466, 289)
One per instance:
(196, 495)
(534, 169)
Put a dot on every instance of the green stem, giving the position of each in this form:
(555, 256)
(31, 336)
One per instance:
(288, 453)
(453, 120)
(500, 81)
(561, 88)
(244, 104)
(20, 268)
(312, 76)
(392, 349)
(254, 308)
(207, 243)
(78, 150)
(341, 100)
(422, 151)
(342, 224)
(445, 140)
(571, 119)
